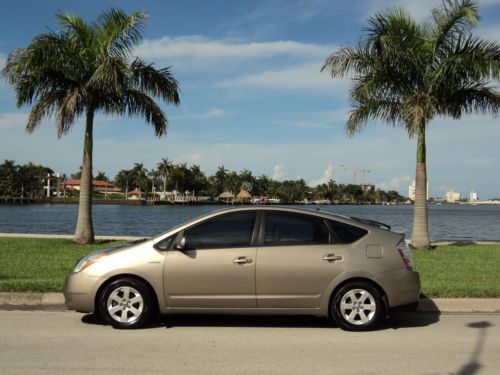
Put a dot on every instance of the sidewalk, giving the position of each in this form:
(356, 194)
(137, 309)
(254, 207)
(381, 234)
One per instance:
(55, 302)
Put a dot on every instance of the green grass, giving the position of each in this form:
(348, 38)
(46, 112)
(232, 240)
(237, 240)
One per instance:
(460, 271)
(40, 265)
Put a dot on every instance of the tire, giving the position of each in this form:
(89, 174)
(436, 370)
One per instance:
(125, 303)
(357, 306)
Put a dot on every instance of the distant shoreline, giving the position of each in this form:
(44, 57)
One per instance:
(143, 202)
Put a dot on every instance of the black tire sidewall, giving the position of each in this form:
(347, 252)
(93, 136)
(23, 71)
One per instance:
(136, 284)
(337, 315)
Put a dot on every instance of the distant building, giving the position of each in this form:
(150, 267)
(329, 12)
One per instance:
(411, 190)
(368, 188)
(473, 196)
(452, 196)
(97, 184)
(51, 184)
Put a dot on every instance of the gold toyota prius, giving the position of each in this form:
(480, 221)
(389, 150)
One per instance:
(252, 260)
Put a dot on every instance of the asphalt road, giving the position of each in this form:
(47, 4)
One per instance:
(66, 342)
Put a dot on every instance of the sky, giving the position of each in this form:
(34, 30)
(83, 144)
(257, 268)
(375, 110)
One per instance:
(252, 96)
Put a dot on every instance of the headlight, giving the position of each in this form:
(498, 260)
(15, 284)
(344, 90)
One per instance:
(89, 260)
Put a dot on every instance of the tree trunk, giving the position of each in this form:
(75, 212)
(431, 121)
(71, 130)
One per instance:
(164, 184)
(84, 233)
(420, 237)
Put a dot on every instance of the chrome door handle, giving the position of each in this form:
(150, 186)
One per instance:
(242, 260)
(332, 257)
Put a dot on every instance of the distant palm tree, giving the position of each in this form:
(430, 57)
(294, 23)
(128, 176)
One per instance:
(164, 167)
(407, 73)
(123, 178)
(140, 177)
(83, 69)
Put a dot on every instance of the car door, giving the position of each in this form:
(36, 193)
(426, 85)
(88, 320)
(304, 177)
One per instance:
(296, 260)
(216, 268)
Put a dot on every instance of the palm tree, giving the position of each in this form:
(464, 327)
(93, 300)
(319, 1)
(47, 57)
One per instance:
(140, 177)
(122, 179)
(164, 167)
(407, 73)
(83, 69)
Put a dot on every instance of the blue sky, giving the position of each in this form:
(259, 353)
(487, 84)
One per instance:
(253, 97)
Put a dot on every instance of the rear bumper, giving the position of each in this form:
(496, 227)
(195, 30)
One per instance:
(402, 288)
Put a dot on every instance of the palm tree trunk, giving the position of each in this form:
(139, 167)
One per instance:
(164, 184)
(420, 237)
(84, 230)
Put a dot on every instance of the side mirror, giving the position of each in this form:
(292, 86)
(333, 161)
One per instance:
(181, 244)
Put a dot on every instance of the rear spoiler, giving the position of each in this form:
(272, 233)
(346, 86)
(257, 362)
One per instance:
(377, 224)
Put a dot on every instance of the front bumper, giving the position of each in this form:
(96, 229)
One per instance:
(80, 290)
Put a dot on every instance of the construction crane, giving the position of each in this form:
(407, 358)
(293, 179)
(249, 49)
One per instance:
(363, 171)
(356, 171)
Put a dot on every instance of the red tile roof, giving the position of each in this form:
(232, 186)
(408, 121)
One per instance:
(96, 183)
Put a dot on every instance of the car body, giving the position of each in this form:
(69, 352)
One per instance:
(252, 260)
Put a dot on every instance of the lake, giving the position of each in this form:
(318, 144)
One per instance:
(446, 221)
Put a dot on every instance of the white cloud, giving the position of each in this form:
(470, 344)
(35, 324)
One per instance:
(398, 183)
(201, 49)
(13, 119)
(279, 172)
(211, 113)
(302, 77)
(311, 120)
(418, 9)
(327, 176)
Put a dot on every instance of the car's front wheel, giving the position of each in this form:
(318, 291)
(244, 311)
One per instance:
(125, 303)
(357, 306)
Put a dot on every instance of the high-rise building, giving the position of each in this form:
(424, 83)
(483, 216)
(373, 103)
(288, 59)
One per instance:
(411, 190)
(452, 196)
(473, 196)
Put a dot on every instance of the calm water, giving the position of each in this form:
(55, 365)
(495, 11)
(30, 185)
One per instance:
(447, 222)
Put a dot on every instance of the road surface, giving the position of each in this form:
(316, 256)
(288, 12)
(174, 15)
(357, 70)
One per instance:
(35, 342)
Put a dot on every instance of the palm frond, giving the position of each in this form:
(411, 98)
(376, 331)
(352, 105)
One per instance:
(44, 107)
(453, 19)
(119, 32)
(157, 82)
(349, 59)
(388, 111)
(473, 98)
(110, 76)
(471, 58)
(137, 103)
(70, 108)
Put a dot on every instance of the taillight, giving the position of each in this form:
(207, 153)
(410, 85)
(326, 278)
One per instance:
(405, 253)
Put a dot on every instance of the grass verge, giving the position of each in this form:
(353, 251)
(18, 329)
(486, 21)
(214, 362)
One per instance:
(460, 271)
(40, 265)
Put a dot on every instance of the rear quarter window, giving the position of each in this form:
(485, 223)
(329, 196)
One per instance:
(344, 233)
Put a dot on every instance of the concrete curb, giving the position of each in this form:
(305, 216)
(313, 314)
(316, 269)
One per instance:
(32, 301)
(55, 301)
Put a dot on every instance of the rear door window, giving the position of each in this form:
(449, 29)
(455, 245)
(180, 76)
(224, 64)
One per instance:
(284, 228)
(344, 233)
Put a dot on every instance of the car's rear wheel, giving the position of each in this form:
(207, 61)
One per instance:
(125, 303)
(357, 306)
